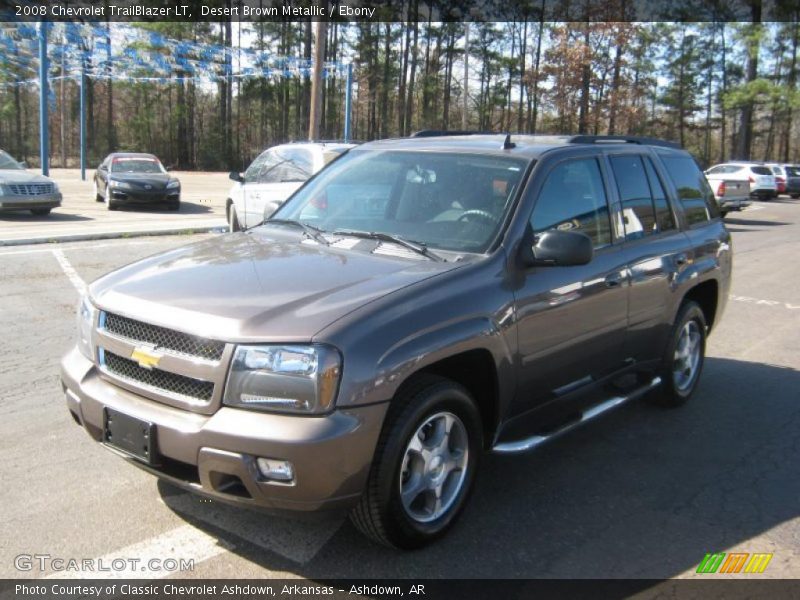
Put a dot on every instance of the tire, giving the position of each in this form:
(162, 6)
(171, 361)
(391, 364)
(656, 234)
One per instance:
(113, 205)
(97, 196)
(233, 219)
(426, 407)
(41, 212)
(174, 205)
(678, 385)
(794, 196)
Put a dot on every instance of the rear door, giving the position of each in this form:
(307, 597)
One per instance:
(654, 250)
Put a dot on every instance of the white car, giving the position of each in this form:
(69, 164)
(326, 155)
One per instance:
(762, 180)
(732, 191)
(273, 177)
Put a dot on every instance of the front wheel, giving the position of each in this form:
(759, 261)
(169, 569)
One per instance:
(424, 465)
(41, 212)
(97, 196)
(233, 219)
(174, 205)
(683, 357)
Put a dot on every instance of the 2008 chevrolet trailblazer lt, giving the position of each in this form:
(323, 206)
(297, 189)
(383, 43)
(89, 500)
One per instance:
(416, 303)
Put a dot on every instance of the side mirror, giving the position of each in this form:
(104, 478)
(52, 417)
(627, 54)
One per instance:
(101, 168)
(559, 249)
(236, 176)
(23, 164)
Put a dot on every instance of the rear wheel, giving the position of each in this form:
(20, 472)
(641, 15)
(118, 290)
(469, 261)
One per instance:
(795, 196)
(683, 357)
(40, 212)
(424, 466)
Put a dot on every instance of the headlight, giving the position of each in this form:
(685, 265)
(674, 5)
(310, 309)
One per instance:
(86, 314)
(123, 185)
(297, 379)
(173, 184)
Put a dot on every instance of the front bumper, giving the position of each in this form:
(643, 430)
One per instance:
(146, 196)
(11, 202)
(215, 455)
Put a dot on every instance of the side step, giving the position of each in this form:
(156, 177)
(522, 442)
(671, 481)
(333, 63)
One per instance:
(595, 411)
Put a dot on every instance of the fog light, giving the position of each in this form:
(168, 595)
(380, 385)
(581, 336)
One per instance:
(276, 470)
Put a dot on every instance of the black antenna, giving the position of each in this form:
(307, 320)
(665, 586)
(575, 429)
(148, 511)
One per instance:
(507, 143)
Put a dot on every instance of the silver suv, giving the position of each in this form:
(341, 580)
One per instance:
(21, 190)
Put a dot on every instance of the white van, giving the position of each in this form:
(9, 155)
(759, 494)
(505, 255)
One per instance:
(273, 177)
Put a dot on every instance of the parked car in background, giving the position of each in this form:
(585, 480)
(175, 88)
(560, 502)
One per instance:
(793, 180)
(135, 178)
(787, 178)
(732, 191)
(762, 180)
(454, 295)
(21, 190)
(273, 177)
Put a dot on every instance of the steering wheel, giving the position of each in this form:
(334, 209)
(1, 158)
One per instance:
(476, 212)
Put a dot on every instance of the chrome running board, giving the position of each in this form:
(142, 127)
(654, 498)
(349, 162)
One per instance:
(591, 413)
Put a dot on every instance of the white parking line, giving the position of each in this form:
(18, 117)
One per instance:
(153, 558)
(70, 271)
(762, 302)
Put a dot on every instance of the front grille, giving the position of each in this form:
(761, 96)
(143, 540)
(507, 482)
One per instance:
(161, 337)
(31, 189)
(171, 382)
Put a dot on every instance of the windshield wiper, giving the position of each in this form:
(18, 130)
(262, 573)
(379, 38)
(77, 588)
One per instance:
(314, 233)
(417, 247)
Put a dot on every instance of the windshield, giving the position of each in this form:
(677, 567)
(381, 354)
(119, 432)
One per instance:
(6, 162)
(444, 201)
(136, 165)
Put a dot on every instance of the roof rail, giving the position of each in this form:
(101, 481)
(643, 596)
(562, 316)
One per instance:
(423, 133)
(621, 139)
(340, 141)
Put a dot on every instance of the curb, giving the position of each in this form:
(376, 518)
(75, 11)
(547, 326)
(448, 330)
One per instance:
(81, 237)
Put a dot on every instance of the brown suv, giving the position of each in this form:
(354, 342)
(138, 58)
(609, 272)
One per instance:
(416, 303)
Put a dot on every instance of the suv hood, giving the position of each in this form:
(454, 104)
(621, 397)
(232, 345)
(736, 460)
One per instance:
(255, 286)
(20, 176)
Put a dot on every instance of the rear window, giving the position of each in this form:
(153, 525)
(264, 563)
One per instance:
(694, 192)
(761, 170)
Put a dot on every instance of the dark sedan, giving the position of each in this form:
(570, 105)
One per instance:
(135, 178)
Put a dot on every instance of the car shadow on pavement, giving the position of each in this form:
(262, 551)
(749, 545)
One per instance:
(642, 493)
(53, 217)
(187, 208)
(755, 222)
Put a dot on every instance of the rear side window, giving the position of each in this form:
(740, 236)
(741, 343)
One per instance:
(694, 192)
(761, 170)
(793, 171)
(573, 199)
(664, 218)
(638, 214)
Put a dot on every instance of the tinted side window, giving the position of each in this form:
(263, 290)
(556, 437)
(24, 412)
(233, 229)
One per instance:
(664, 219)
(638, 215)
(694, 192)
(573, 198)
(761, 170)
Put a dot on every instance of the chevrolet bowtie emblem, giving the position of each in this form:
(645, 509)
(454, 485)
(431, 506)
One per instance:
(146, 357)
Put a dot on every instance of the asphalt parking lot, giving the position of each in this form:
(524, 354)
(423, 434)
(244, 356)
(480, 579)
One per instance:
(642, 493)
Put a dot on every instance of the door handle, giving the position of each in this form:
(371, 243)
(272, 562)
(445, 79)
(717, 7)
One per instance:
(613, 280)
(681, 259)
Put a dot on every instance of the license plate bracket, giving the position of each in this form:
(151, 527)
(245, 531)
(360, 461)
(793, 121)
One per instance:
(129, 435)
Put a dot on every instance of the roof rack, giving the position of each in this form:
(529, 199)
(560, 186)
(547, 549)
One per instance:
(423, 133)
(621, 139)
(339, 141)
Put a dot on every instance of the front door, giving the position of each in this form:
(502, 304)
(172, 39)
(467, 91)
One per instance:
(571, 320)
